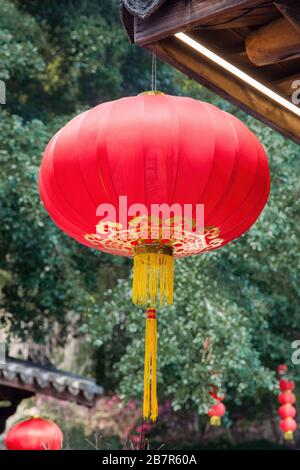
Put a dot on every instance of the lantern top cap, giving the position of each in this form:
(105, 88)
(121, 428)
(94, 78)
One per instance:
(151, 92)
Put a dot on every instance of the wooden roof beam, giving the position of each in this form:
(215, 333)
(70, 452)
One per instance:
(276, 42)
(179, 15)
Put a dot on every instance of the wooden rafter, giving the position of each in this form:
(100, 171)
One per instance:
(276, 42)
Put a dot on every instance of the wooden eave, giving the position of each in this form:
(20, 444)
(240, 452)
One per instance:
(260, 38)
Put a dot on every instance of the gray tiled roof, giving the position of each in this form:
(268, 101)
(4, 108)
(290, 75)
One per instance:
(142, 8)
(50, 381)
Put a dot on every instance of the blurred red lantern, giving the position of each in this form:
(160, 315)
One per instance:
(288, 426)
(215, 413)
(286, 385)
(34, 434)
(287, 397)
(160, 150)
(282, 368)
(287, 411)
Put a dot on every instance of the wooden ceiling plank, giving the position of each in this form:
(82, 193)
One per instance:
(291, 10)
(229, 87)
(179, 15)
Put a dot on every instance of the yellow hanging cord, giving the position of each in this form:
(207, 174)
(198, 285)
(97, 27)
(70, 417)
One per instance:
(150, 406)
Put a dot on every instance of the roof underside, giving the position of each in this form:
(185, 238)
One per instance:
(261, 38)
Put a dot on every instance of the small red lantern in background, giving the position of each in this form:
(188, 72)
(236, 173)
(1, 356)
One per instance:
(217, 411)
(286, 385)
(287, 411)
(282, 368)
(287, 397)
(288, 426)
(34, 434)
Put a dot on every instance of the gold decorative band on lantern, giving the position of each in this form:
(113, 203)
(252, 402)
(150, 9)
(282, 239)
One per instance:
(153, 275)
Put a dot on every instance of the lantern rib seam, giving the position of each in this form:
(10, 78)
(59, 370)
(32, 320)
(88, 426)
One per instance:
(171, 108)
(248, 193)
(228, 187)
(60, 191)
(78, 162)
(201, 197)
(60, 195)
(248, 222)
(113, 189)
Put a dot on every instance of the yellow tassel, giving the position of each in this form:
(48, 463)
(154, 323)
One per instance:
(153, 281)
(150, 406)
(153, 275)
(215, 421)
(288, 435)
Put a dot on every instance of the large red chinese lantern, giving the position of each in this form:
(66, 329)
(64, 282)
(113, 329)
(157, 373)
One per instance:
(287, 411)
(34, 434)
(128, 177)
